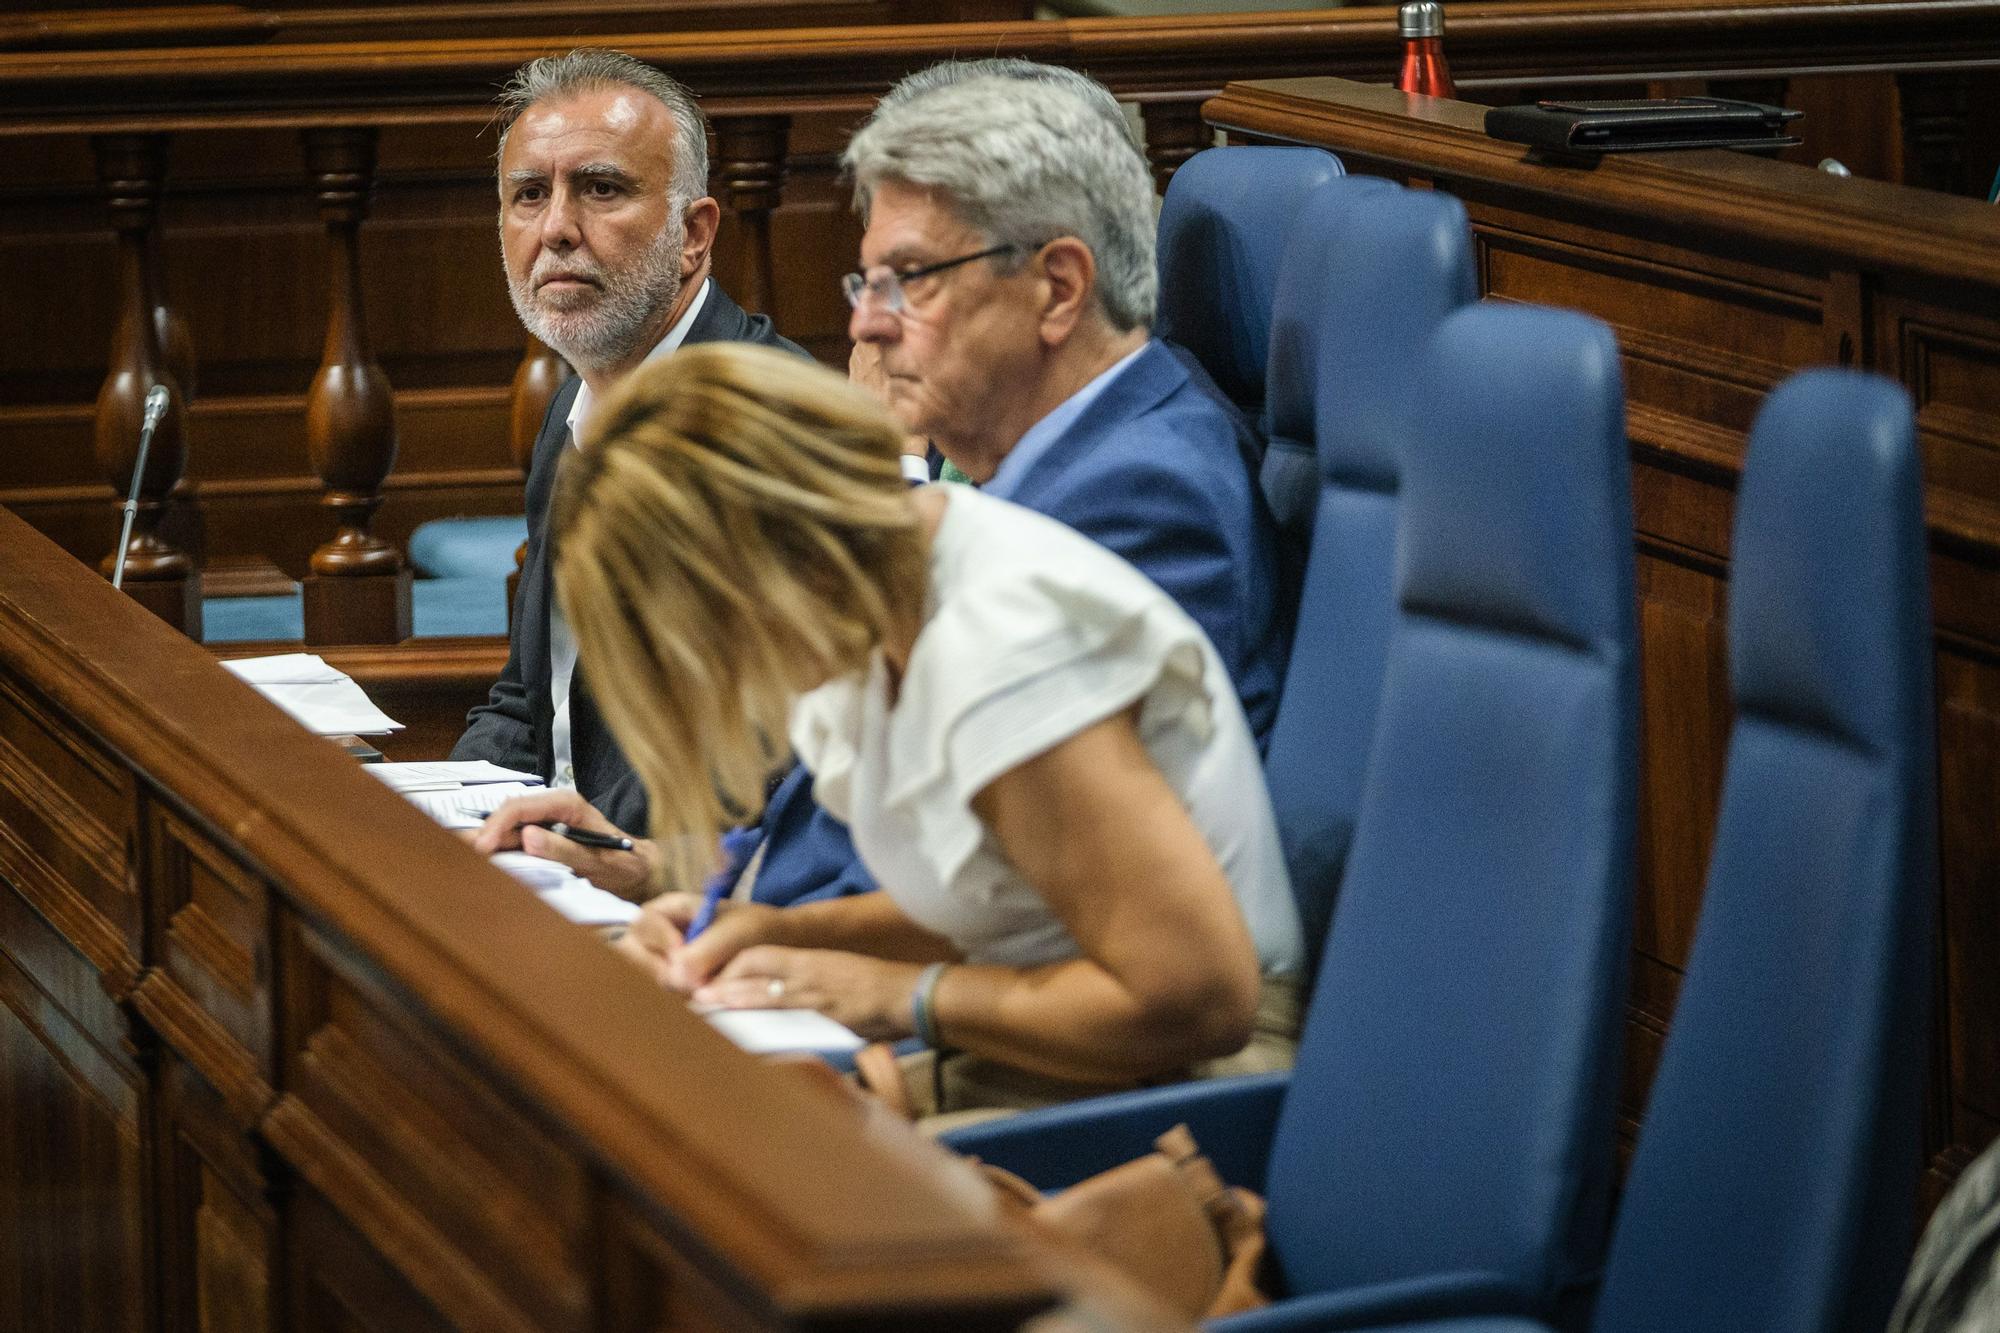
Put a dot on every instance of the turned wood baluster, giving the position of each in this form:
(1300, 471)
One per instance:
(1936, 111)
(1175, 132)
(359, 590)
(144, 351)
(750, 177)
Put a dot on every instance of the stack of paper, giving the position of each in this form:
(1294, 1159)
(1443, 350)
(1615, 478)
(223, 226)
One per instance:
(446, 775)
(467, 807)
(566, 891)
(319, 697)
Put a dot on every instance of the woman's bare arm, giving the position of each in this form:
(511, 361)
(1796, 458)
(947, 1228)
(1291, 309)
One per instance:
(1168, 974)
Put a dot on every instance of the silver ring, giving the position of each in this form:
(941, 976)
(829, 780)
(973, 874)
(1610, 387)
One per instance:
(776, 987)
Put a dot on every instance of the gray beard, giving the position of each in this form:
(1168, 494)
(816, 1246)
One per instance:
(605, 325)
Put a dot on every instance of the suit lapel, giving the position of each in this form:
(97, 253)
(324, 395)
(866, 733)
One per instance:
(1145, 384)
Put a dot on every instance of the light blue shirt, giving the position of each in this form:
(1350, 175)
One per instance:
(1041, 436)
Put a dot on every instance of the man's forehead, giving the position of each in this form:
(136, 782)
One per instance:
(906, 221)
(605, 123)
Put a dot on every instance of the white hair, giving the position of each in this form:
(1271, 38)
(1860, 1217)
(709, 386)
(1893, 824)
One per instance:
(950, 73)
(590, 69)
(1023, 162)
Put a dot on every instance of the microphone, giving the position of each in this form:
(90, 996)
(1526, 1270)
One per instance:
(156, 408)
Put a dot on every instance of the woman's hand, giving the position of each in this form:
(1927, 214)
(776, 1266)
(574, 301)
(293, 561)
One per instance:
(869, 995)
(513, 827)
(656, 939)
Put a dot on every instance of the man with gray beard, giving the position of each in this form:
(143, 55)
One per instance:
(605, 231)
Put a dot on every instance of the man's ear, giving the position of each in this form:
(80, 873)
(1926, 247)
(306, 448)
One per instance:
(703, 217)
(1069, 272)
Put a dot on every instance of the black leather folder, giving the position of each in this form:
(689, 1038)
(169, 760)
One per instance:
(1640, 124)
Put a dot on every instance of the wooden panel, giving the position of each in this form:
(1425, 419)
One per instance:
(426, 1162)
(72, 1175)
(219, 1228)
(63, 813)
(339, 1284)
(211, 992)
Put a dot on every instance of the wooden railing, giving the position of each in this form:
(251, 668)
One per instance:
(1722, 273)
(781, 102)
(277, 1053)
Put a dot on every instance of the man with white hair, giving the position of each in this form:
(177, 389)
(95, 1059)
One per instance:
(606, 227)
(1007, 289)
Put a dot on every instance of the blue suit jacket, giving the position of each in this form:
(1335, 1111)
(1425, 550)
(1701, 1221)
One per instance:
(1157, 469)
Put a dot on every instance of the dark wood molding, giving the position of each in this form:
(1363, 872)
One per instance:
(760, 72)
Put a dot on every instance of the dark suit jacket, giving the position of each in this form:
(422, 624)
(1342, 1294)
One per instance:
(1158, 469)
(512, 727)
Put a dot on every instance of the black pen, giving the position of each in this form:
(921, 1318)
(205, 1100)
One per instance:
(604, 842)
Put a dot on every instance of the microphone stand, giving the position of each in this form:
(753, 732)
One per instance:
(156, 407)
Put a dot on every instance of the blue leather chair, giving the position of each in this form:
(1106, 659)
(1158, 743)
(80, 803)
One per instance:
(1371, 269)
(1776, 1170)
(1444, 1144)
(1223, 227)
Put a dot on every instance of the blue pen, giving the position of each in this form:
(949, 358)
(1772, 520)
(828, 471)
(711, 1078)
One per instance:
(736, 848)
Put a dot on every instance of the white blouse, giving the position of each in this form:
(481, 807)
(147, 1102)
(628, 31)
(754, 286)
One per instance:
(1033, 633)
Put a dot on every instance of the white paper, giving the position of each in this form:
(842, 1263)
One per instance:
(588, 905)
(446, 775)
(770, 1031)
(566, 891)
(537, 872)
(284, 669)
(467, 807)
(317, 696)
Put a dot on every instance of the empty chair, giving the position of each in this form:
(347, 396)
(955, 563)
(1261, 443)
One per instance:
(1223, 226)
(1444, 1144)
(1371, 269)
(1776, 1172)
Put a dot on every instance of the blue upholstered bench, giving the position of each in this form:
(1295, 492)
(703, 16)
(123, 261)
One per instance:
(461, 589)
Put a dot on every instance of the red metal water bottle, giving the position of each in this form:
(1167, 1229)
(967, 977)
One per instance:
(1424, 71)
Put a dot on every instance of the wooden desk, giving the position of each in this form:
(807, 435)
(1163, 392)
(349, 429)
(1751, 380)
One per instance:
(1722, 273)
(278, 1053)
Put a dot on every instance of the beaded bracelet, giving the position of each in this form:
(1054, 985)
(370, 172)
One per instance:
(922, 1017)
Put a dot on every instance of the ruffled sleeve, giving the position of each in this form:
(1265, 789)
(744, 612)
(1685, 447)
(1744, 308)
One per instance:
(1000, 677)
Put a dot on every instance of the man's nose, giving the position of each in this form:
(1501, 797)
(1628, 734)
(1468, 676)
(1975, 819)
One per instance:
(559, 222)
(871, 321)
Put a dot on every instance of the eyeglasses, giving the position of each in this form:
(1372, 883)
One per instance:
(886, 284)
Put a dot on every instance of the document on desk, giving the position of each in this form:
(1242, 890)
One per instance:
(467, 807)
(783, 1031)
(447, 774)
(319, 697)
(566, 891)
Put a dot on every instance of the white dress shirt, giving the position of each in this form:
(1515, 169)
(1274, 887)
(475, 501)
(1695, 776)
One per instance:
(562, 643)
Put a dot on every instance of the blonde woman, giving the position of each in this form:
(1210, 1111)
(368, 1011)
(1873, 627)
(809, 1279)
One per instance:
(1041, 758)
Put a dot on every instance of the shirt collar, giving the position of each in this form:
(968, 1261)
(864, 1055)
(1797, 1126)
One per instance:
(579, 407)
(1041, 436)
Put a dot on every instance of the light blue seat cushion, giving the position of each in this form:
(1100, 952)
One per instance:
(439, 608)
(449, 548)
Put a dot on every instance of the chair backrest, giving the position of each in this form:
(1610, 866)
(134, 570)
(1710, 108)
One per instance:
(1776, 1173)
(1450, 1116)
(1223, 226)
(1371, 270)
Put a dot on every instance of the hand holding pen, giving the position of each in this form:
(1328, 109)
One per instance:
(560, 825)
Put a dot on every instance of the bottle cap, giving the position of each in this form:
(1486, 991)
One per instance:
(1420, 18)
